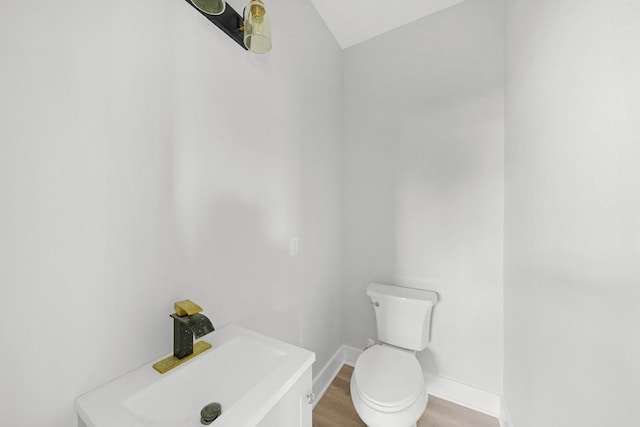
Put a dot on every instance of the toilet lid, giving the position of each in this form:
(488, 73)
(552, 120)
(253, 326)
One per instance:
(389, 378)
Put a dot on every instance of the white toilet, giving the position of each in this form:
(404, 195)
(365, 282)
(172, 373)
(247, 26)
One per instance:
(387, 385)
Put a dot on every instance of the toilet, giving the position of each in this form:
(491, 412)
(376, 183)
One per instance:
(387, 385)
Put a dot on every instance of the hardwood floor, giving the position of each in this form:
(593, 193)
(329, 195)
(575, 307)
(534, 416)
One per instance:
(336, 410)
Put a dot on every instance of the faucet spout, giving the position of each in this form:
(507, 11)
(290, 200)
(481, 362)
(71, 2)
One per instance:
(185, 329)
(197, 324)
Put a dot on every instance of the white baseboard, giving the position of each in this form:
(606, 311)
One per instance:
(322, 380)
(451, 390)
(350, 355)
(505, 416)
(463, 394)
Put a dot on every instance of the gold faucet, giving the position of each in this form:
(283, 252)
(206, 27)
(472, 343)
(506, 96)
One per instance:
(187, 324)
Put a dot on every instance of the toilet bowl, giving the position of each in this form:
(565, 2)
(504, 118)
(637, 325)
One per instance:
(387, 387)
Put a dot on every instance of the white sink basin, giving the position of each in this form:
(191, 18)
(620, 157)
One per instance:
(248, 373)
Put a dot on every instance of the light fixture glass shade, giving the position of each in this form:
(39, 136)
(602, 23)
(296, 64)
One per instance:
(210, 7)
(257, 27)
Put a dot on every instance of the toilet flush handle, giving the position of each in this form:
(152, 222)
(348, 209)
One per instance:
(375, 303)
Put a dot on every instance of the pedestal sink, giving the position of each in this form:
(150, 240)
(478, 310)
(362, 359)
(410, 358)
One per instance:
(258, 380)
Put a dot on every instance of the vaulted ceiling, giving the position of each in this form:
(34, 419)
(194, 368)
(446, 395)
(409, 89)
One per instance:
(354, 21)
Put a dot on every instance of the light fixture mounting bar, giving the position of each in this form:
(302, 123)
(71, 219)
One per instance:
(229, 21)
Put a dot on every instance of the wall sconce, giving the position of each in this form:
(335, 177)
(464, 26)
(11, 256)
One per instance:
(253, 32)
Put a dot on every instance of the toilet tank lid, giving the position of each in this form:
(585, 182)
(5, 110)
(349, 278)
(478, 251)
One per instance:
(418, 296)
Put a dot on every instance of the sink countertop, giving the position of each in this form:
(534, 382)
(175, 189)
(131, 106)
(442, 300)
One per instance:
(246, 371)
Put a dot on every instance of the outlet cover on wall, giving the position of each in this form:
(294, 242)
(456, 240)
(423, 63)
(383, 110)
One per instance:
(293, 246)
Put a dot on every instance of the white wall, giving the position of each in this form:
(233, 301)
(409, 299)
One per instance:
(146, 158)
(572, 213)
(423, 123)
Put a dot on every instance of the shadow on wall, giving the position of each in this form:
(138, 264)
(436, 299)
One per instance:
(247, 277)
(424, 168)
(428, 215)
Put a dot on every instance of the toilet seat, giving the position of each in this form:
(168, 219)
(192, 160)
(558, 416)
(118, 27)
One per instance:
(388, 379)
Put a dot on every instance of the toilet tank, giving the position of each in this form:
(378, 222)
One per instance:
(403, 315)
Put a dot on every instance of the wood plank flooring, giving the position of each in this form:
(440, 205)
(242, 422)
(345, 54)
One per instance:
(336, 410)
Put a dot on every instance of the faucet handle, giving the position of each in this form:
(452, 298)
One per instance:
(186, 308)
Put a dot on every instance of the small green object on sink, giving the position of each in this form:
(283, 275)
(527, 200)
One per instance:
(210, 412)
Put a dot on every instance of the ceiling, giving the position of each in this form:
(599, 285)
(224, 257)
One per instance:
(354, 21)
